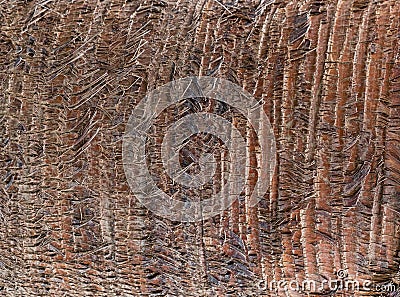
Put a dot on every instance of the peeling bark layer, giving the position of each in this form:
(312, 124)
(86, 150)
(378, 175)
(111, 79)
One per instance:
(328, 73)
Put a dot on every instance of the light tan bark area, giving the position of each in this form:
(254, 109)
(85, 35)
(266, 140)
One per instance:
(71, 72)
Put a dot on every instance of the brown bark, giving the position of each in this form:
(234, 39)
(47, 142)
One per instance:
(71, 73)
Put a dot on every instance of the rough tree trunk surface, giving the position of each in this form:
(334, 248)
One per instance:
(71, 73)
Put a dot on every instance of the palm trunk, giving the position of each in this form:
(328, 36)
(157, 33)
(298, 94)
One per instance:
(328, 73)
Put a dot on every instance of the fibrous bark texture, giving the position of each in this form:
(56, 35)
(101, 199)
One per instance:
(328, 74)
